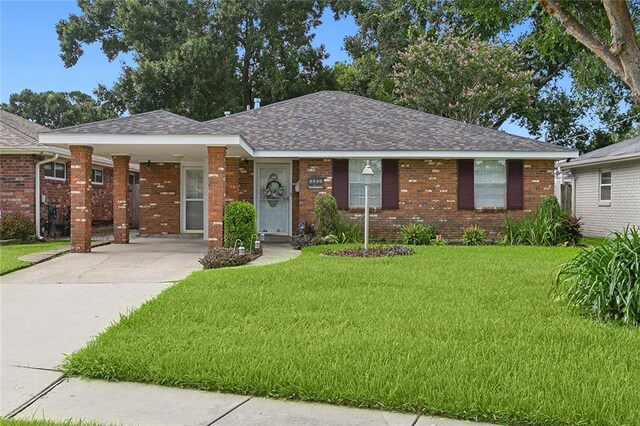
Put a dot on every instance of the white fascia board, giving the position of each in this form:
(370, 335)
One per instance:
(533, 155)
(596, 161)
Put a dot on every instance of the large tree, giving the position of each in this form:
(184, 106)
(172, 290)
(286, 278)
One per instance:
(201, 57)
(58, 109)
(609, 30)
(555, 59)
(466, 79)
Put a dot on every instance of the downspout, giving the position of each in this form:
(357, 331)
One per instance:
(37, 196)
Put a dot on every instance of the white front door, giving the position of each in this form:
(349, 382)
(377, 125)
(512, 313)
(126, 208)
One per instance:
(273, 189)
(193, 199)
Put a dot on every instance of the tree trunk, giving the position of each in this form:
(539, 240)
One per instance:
(623, 55)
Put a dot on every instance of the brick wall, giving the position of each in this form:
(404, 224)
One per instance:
(245, 179)
(17, 184)
(428, 193)
(17, 192)
(160, 198)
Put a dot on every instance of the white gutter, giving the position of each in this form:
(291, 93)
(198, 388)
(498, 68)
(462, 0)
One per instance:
(37, 196)
(585, 163)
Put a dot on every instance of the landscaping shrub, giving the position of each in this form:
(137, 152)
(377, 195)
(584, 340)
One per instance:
(572, 233)
(16, 226)
(547, 227)
(605, 280)
(380, 251)
(473, 236)
(306, 235)
(239, 223)
(328, 216)
(439, 240)
(348, 232)
(220, 257)
(418, 234)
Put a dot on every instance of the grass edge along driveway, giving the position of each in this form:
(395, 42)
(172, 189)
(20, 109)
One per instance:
(10, 253)
(466, 332)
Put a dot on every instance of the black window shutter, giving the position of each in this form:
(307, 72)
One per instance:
(340, 183)
(466, 199)
(390, 184)
(515, 185)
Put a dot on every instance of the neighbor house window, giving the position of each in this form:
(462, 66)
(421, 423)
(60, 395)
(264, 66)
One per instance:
(605, 186)
(55, 170)
(490, 183)
(356, 184)
(97, 177)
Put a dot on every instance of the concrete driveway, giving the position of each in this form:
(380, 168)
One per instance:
(53, 308)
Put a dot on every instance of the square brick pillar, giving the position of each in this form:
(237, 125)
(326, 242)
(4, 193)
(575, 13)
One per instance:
(217, 175)
(121, 199)
(81, 198)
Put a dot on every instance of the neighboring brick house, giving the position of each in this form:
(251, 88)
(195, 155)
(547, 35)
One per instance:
(280, 157)
(20, 152)
(606, 187)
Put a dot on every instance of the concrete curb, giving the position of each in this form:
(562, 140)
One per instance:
(43, 256)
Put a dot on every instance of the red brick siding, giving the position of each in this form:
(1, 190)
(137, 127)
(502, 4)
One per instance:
(295, 196)
(120, 199)
(160, 198)
(17, 184)
(245, 180)
(217, 188)
(17, 193)
(428, 193)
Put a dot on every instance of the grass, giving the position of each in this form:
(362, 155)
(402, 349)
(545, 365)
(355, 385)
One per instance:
(467, 332)
(34, 422)
(10, 253)
(592, 241)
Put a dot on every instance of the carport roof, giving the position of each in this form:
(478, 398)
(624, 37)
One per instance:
(159, 122)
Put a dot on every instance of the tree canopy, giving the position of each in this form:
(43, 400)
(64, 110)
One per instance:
(58, 109)
(198, 58)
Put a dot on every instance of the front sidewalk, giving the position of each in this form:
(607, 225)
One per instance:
(134, 403)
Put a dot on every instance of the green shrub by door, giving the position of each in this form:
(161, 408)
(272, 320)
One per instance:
(239, 223)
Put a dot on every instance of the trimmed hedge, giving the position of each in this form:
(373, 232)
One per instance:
(239, 223)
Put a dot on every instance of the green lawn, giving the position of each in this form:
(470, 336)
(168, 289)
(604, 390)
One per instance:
(10, 253)
(468, 332)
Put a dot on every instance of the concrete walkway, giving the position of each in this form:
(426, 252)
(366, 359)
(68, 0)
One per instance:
(55, 307)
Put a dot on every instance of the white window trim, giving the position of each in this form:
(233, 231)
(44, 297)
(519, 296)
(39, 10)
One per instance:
(506, 188)
(602, 202)
(53, 163)
(102, 174)
(349, 185)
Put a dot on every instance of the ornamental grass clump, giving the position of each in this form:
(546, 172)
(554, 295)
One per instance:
(605, 281)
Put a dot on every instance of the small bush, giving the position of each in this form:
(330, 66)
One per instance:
(220, 257)
(328, 216)
(572, 233)
(239, 223)
(473, 236)
(348, 232)
(439, 240)
(547, 227)
(16, 226)
(306, 228)
(381, 251)
(417, 234)
(605, 281)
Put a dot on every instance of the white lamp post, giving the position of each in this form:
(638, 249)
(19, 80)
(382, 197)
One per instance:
(367, 177)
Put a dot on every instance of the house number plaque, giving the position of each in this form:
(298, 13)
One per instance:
(315, 182)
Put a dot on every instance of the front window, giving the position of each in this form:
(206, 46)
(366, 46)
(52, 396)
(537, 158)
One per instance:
(55, 170)
(490, 183)
(356, 184)
(96, 176)
(605, 186)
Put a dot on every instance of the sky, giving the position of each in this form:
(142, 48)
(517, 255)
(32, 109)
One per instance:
(29, 51)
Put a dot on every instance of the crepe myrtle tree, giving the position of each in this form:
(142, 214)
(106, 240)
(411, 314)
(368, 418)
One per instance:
(470, 80)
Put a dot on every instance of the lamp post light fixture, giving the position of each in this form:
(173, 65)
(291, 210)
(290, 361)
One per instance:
(367, 177)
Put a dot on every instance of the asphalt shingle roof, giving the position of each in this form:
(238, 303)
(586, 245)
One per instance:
(158, 122)
(630, 146)
(339, 121)
(16, 132)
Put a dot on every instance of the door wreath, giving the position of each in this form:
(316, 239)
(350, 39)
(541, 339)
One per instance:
(274, 190)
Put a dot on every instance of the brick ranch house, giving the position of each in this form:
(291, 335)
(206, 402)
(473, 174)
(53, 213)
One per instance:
(281, 156)
(22, 158)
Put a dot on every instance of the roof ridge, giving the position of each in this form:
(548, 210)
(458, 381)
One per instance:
(155, 111)
(254, 110)
(11, 126)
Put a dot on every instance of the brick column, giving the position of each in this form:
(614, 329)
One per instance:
(217, 193)
(81, 198)
(121, 199)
